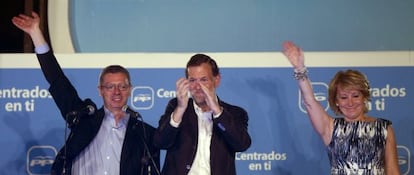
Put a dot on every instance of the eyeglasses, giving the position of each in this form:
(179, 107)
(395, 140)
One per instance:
(201, 80)
(111, 87)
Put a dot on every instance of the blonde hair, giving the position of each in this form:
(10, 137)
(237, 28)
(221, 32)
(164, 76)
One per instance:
(349, 79)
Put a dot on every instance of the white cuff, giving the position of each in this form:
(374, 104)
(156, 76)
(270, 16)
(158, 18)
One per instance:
(42, 49)
(173, 123)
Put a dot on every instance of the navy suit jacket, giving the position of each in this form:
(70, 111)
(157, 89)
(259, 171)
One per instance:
(85, 128)
(229, 136)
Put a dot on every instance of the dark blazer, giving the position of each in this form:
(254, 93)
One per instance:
(229, 136)
(85, 128)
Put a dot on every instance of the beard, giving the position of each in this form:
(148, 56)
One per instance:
(199, 99)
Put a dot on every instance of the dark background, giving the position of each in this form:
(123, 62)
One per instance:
(12, 39)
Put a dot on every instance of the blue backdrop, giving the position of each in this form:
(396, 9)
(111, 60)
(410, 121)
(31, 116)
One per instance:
(284, 141)
(240, 25)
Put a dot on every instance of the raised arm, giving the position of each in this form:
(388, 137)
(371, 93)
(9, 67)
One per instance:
(321, 121)
(63, 92)
(30, 25)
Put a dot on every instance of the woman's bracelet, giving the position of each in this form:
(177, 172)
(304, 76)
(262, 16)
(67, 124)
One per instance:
(301, 74)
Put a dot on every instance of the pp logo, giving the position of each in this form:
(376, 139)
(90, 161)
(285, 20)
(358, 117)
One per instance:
(321, 95)
(142, 97)
(404, 159)
(40, 159)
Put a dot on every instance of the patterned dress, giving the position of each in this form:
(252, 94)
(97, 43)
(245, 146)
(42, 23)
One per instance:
(358, 148)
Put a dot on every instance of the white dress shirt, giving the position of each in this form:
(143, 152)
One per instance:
(201, 163)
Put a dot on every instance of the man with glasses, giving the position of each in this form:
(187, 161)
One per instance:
(200, 132)
(112, 140)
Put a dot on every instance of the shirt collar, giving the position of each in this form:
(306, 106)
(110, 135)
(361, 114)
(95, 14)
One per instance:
(110, 119)
(198, 110)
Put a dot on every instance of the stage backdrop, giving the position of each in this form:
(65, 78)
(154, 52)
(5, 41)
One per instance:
(283, 140)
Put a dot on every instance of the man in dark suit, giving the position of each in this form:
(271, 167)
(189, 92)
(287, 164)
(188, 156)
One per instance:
(200, 132)
(111, 140)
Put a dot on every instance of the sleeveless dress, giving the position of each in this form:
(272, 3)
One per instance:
(358, 148)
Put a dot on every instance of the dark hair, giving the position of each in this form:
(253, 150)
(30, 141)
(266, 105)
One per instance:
(349, 79)
(198, 59)
(114, 69)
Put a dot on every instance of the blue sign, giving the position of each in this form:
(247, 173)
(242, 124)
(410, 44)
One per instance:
(283, 140)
